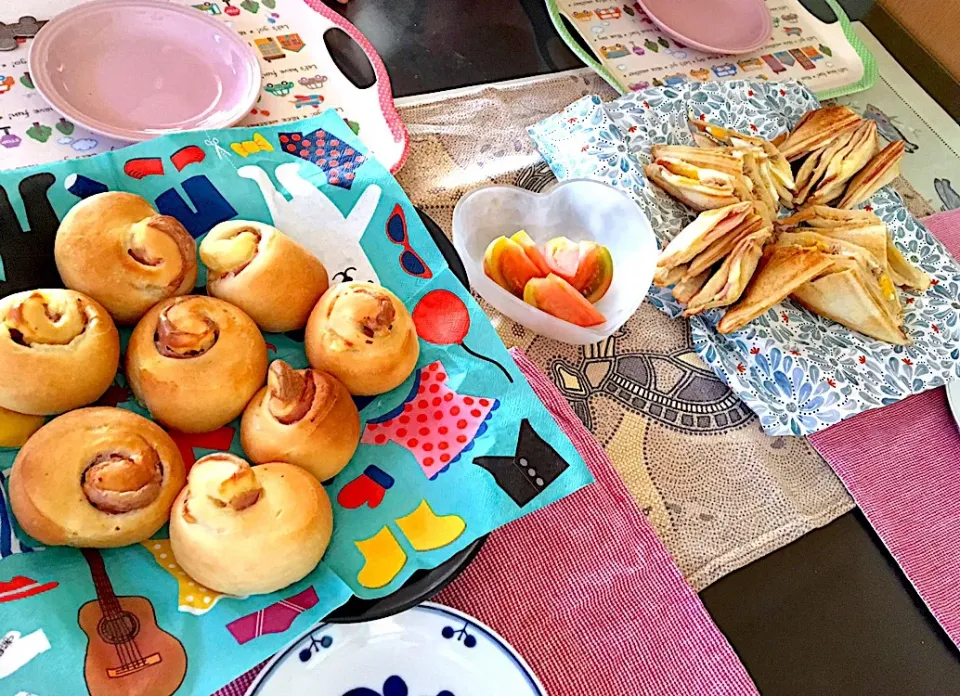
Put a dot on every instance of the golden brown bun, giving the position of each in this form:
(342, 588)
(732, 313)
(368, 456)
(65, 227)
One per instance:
(363, 335)
(263, 272)
(245, 530)
(195, 362)
(59, 350)
(117, 249)
(304, 417)
(96, 477)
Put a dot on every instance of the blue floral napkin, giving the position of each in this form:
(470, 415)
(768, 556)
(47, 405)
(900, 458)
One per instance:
(798, 371)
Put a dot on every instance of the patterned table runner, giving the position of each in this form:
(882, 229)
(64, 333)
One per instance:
(718, 491)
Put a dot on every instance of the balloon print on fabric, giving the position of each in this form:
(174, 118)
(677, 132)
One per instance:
(442, 318)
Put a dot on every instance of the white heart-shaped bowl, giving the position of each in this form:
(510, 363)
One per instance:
(578, 209)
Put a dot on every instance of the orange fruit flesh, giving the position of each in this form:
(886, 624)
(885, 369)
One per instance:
(557, 297)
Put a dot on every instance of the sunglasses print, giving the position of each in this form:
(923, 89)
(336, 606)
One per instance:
(410, 260)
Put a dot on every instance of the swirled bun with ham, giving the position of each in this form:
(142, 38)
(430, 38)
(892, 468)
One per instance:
(364, 336)
(115, 248)
(59, 350)
(263, 272)
(95, 477)
(304, 417)
(244, 530)
(195, 361)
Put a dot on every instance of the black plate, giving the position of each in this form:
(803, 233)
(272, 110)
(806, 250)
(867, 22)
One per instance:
(424, 584)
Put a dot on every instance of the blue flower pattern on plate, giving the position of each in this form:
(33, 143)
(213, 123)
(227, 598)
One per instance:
(797, 371)
(393, 686)
(462, 635)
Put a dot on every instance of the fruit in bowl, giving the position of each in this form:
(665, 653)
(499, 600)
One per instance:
(564, 280)
(587, 266)
(556, 296)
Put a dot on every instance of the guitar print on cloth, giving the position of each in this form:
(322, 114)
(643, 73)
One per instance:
(192, 597)
(435, 423)
(276, 618)
(328, 152)
(127, 653)
(16, 650)
(312, 220)
(423, 528)
(526, 473)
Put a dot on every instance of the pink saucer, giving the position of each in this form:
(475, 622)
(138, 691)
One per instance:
(136, 69)
(713, 26)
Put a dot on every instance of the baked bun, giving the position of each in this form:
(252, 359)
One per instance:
(96, 477)
(304, 417)
(363, 335)
(195, 362)
(59, 350)
(115, 248)
(263, 272)
(243, 530)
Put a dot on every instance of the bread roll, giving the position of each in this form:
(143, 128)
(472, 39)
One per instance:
(96, 477)
(363, 335)
(195, 362)
(263, 272)
(304, 417)
(59, 350)
(115, 248)
(242, 531)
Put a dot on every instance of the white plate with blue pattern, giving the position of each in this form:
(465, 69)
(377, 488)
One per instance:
(430, 650)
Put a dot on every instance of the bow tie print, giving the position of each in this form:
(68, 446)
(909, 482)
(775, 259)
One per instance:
(312, 220)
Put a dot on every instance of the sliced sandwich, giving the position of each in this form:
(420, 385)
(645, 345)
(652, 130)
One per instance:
(849, 295)
(688, 287)
(816, 130)
(879, 172)
(709, 226)
(854, 156)
(774, 165)
(873, 268)
(726, 285)
(780, 271)
(724, 245)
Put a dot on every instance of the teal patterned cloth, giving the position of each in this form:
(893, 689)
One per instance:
(797, 371)
(314, 179)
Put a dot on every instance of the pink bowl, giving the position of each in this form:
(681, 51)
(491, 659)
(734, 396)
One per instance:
(713, 26)
(136, 69)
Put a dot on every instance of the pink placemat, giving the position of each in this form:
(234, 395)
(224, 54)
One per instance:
(901, 464)
(585, 591)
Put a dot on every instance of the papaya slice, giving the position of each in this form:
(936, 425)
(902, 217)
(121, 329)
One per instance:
(506, 263)
(532, 252)
(587, 266)
(557, 297)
